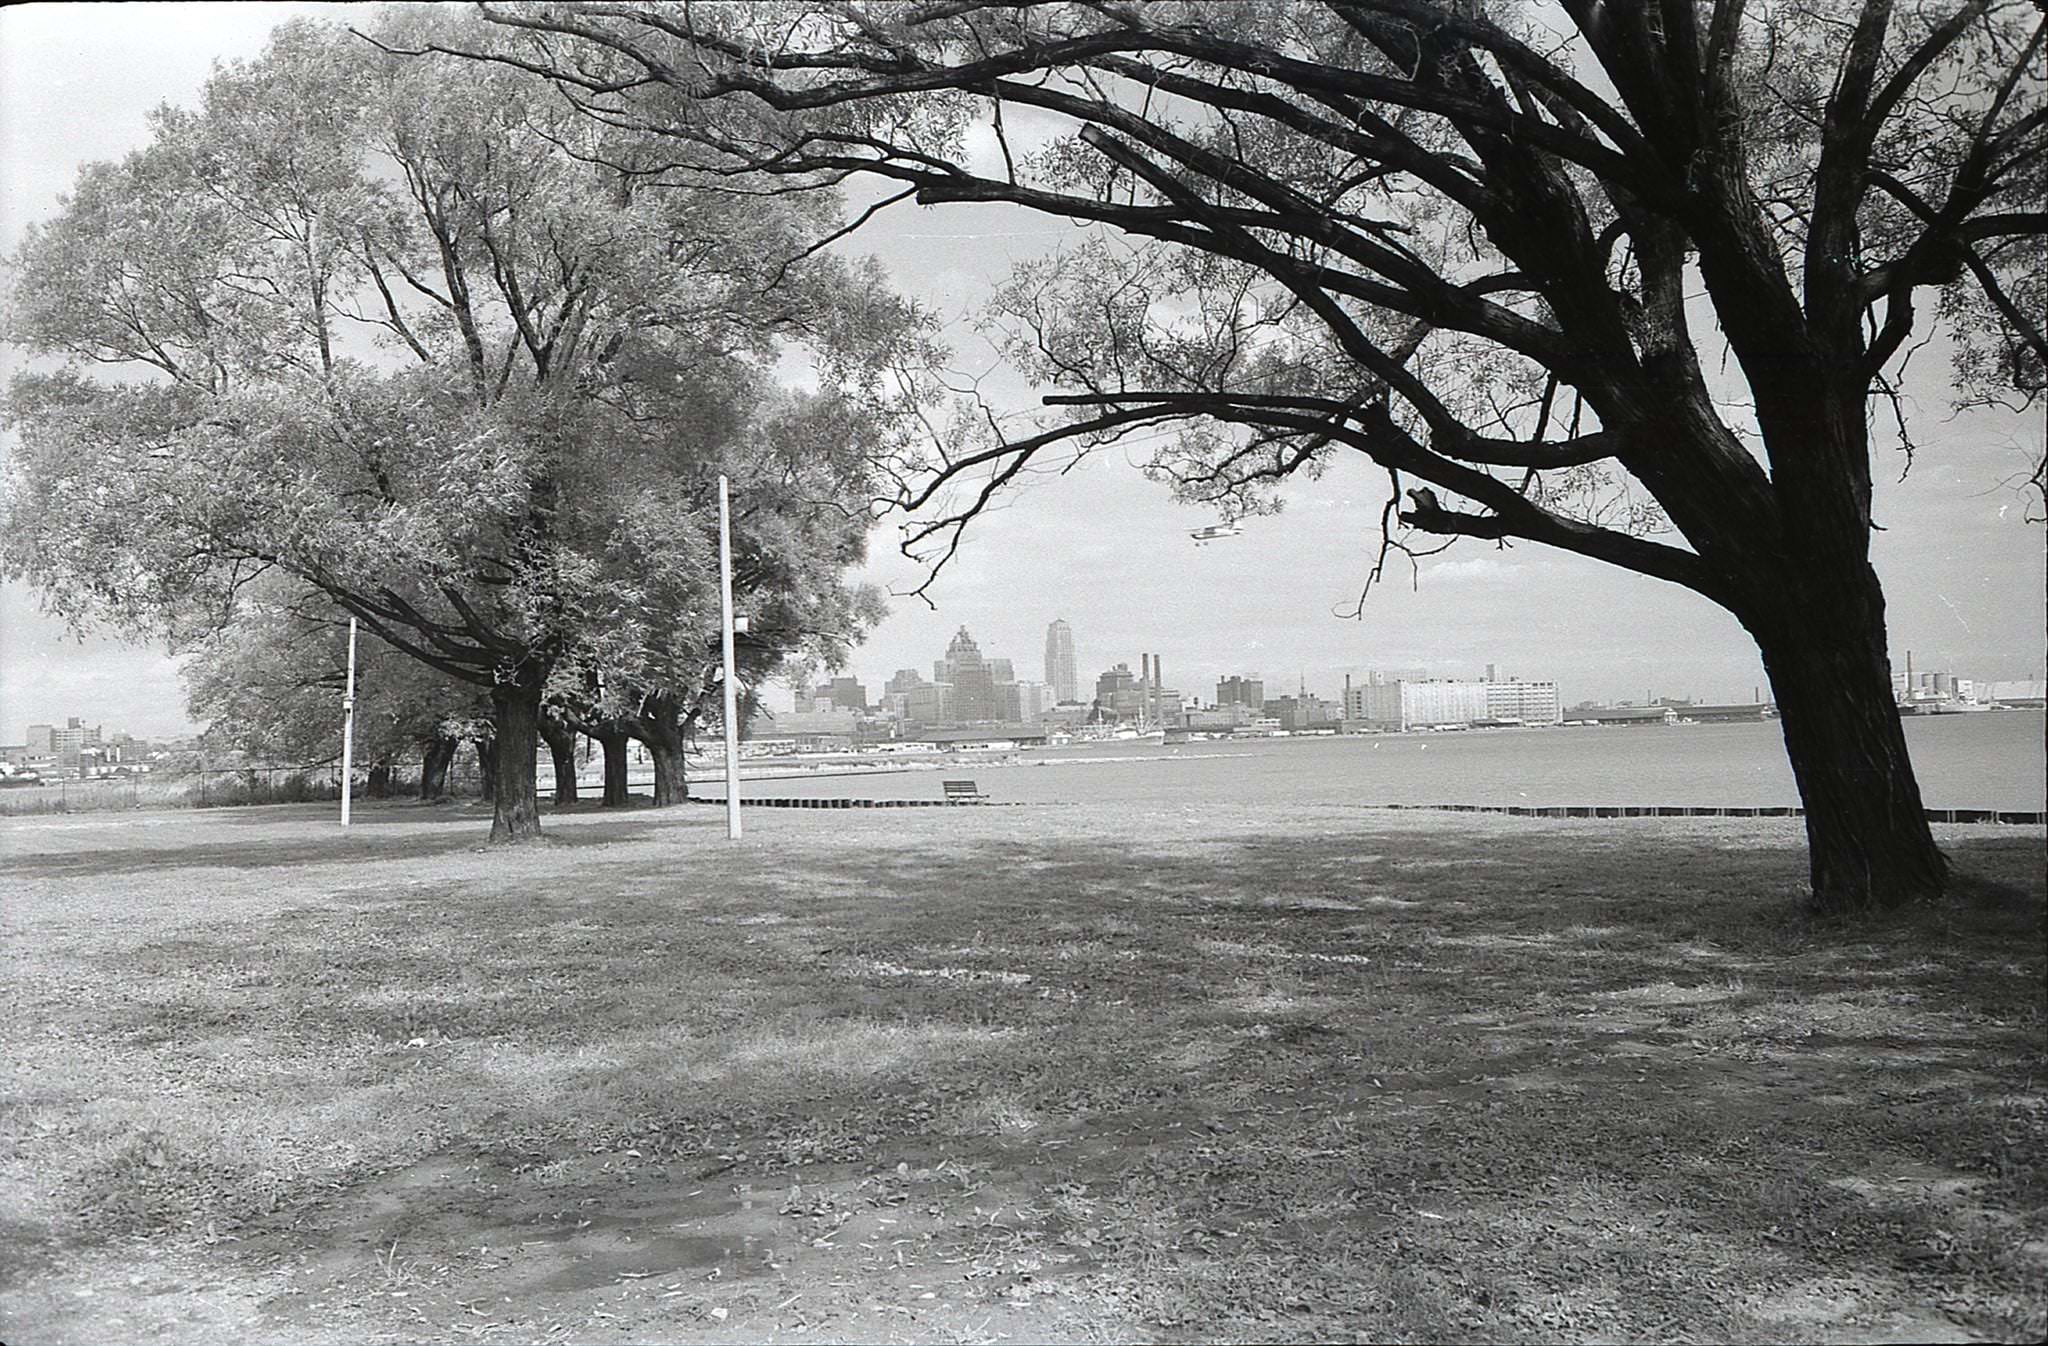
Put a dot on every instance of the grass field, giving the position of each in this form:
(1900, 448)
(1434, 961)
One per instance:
(1031, 1073)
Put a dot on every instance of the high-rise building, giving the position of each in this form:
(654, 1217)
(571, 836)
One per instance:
(1059, 662)
(929, 703)
(1034, 699)
(974, 692)
(843, 694)
(903, 681)
(1235, 691)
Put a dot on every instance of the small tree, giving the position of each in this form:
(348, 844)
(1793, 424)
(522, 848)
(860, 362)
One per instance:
(1477, 243)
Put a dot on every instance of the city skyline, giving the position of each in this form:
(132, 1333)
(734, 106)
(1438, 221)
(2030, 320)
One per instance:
(1101, 546)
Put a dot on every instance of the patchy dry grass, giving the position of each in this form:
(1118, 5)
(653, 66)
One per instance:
(1025, 1073)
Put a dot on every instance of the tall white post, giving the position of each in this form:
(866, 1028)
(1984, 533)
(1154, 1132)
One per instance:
(348, 727)
(732, 726)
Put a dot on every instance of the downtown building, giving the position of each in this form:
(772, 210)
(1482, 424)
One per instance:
(1237, 691)
(972, 679)
(1060, 674)
(967, 688)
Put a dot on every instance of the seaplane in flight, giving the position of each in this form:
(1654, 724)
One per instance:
(1214, 531)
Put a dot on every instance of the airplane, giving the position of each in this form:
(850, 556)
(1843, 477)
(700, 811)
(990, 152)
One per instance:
(1214, 531)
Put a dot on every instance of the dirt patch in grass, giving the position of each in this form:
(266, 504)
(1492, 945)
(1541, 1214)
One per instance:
(988, 1074)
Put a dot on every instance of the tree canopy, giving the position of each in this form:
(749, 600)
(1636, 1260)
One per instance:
(423, 345)
(1481, 243)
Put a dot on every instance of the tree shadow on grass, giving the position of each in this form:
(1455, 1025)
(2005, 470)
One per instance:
(355, 846)
(1491, 1062)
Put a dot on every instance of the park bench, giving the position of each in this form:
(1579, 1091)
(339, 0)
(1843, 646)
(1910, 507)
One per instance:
(963, 792)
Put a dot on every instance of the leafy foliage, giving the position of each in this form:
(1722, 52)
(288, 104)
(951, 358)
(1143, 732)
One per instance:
(399, 332)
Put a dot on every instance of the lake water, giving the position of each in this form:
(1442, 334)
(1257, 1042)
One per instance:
(1993, 759)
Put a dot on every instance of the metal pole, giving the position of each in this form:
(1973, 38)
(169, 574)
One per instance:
(732, 728)
(348, 726)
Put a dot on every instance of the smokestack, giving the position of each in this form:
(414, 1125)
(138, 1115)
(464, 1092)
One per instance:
(1158, 693)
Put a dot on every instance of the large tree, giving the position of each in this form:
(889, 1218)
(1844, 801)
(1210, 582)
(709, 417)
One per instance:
(408, 333)
(1480, 243)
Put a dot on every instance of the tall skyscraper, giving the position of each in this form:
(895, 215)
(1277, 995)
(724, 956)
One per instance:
(974, 699)
(1059, 662)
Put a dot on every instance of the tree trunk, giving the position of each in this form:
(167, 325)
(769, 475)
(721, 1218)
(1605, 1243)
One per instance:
(515, 718)
(616, 746)
(561, 741)
(379, 784)
(1868, 843)
(664, 740)
(487, 768)
(664, 729)
(434, 764)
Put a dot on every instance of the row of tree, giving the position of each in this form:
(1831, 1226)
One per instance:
(1628, 280)
(415, 342)
(1572, 273)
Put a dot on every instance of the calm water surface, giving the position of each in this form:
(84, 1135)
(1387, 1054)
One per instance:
(1993, 759)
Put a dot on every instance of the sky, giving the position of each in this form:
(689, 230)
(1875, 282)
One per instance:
(1100, 546)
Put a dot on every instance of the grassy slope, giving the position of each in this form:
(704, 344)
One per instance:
(959, 1074)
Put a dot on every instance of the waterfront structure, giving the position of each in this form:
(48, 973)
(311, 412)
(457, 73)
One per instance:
(1298, 713)
(1139, 698)
(1068, 716)
(1523, 702)
(1375, 704)
(1628, 715)
(1060, 674)
(2018, 692)
(1118, 693)
(1740, 713)
(1222, 719)
(1427, 705)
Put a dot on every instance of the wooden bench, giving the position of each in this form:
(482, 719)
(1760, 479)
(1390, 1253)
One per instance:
(963, 792)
